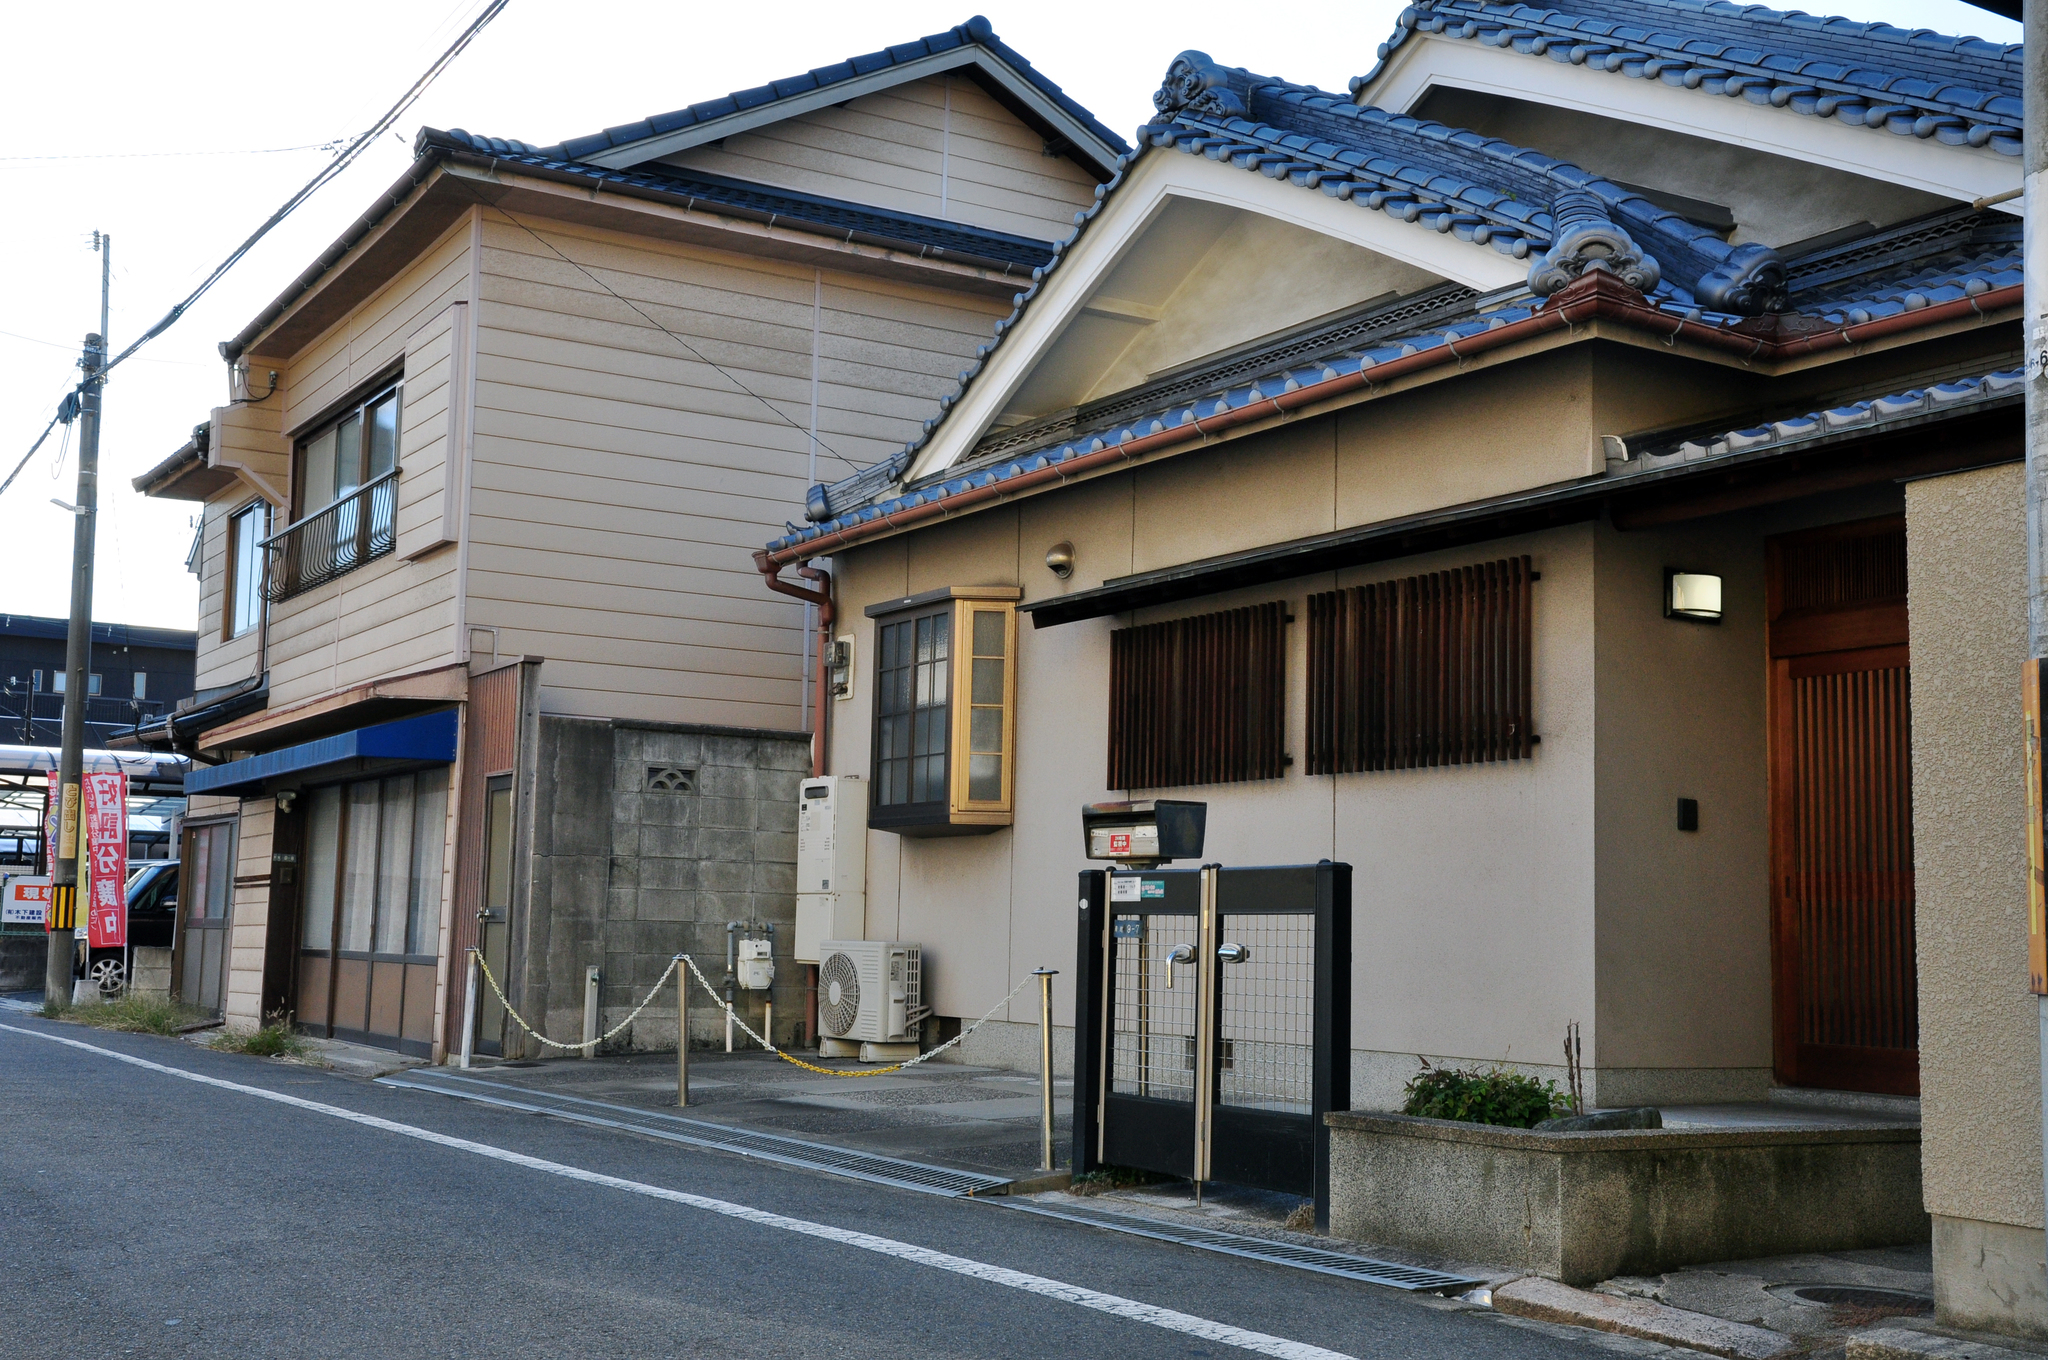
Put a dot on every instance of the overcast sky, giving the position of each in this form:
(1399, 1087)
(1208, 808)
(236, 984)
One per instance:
(160, 125)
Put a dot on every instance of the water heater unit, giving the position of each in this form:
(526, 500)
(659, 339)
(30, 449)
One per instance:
(831, 862)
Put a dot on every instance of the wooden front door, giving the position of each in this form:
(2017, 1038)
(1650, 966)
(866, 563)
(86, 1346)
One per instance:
(1842, 810)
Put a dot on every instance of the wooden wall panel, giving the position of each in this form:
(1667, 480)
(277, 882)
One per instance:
(1200, 700)
(1422, 671)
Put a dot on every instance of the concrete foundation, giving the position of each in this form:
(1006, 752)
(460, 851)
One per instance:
(152, 973)
(1583, 1207)
(22, 960)
(1990, 1276)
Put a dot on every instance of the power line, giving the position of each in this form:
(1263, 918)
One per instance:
(341, 162)
(160, 155)
(692, 350)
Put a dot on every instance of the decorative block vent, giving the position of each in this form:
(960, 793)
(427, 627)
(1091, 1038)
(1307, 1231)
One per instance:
(671, 779)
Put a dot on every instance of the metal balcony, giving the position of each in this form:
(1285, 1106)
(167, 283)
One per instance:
(354, 531)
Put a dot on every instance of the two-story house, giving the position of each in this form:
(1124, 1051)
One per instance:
(482, 658)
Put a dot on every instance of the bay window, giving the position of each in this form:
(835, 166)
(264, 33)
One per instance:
(945, 711)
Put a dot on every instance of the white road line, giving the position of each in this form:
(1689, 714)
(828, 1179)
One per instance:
(1111, 1304)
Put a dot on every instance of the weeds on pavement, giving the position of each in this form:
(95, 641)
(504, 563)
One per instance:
(132, 1015)
(1114, 1178)
(277, 1039)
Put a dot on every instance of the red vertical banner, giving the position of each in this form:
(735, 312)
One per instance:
(106, 841)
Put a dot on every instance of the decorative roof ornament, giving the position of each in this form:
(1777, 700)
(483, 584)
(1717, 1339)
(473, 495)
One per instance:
(1196, 85)
(1750, 283)
(1587, 239)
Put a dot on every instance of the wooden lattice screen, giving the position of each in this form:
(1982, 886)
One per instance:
(1424, 670)
(1199, 700)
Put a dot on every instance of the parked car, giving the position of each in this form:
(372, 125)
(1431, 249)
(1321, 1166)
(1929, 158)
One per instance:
(152, 923)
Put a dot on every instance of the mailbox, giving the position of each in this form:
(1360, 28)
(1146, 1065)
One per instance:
(1145, 833)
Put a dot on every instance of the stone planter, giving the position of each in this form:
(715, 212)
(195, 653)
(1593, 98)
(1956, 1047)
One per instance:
(1581, 1207)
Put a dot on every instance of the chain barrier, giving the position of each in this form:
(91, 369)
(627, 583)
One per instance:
(840, 1071)
(587, 1043)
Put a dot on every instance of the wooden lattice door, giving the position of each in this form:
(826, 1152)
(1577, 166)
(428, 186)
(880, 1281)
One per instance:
(1842, 811)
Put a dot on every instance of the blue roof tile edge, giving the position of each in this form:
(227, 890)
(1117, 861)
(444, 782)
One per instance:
(1697, 52)
(1861, 416)
(976, 32)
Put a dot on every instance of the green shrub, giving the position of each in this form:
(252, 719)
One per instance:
(1494, 1095)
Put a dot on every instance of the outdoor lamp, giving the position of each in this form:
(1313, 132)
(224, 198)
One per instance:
(1693, 596)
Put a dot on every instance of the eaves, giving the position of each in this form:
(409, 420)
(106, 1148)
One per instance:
(1597, 298)
(1929, 445)
(422, 204)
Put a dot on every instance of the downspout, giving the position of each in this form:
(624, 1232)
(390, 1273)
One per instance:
(2034, 92)
(821, 597)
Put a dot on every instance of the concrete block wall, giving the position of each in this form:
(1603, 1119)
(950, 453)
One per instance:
(625, 875)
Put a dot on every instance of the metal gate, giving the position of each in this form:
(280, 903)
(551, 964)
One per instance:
(1214, 1023)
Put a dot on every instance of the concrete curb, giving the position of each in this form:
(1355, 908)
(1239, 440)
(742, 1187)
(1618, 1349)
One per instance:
(1898, 1343)
(1549, 1301)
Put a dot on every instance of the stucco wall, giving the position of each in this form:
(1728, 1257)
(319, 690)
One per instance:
(1979, 1060)
(1683, 919)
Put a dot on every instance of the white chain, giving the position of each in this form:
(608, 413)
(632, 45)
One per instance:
(587, 1043)
(911, 1062)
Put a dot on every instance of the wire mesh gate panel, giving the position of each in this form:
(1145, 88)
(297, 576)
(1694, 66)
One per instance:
(1214, 1023)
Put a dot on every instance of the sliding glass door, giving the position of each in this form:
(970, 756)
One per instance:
(371, 909)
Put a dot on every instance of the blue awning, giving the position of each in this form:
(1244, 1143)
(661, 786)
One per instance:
(427, 737)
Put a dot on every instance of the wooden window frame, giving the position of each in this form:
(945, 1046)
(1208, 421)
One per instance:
(1423, 671)
(231, 579)
(1200, 699)
(958, 813)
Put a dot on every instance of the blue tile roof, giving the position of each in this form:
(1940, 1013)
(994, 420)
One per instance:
(975, 32)
(1859, 417)
(1958, 90)
(834, 217)
(1484, 191)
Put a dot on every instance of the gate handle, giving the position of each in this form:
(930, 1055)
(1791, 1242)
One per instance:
(1180, 953)
(1234, 953)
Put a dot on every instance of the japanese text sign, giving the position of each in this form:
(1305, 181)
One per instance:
(106, 839)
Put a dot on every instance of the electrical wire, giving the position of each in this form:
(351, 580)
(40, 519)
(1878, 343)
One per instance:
(689, 348)
(342, 160)
(160, 155)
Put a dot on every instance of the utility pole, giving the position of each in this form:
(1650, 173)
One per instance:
(63, 909)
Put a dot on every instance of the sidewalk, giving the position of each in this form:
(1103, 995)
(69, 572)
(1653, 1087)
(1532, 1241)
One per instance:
(973, 1118)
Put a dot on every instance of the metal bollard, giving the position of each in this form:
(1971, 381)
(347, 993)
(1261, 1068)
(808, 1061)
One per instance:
(590, 994)
(1045, 977)
(683, 1031)
(768, 1025)
(469, 1005)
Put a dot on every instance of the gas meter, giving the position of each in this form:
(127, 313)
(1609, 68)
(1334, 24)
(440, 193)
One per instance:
(756, 964)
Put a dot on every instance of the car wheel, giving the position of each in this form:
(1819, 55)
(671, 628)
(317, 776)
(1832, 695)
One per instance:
(109, 976)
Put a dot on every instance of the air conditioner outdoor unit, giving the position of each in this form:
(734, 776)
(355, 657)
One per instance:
(870, 991)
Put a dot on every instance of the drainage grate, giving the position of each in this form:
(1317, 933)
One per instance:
(865, 1166)
(1415, 1279)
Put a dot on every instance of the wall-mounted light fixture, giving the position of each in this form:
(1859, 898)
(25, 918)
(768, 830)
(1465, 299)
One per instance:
(1059, 560)
(1694, 596)
(285, 799)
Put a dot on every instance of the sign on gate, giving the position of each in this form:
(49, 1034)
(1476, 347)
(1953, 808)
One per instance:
(1213, 1023)
(106, 839)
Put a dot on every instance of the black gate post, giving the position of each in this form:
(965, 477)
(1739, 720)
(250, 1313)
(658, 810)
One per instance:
(1090, 966)
(1332, 1017)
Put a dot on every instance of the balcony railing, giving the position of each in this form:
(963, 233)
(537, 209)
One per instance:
(354, 531)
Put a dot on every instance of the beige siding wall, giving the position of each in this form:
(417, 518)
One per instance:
(251, 918)
(1980, 1077)
(624, 476)
(940, 147)
(395, 614)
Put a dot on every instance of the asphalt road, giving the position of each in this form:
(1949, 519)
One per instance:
(145, 1213)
